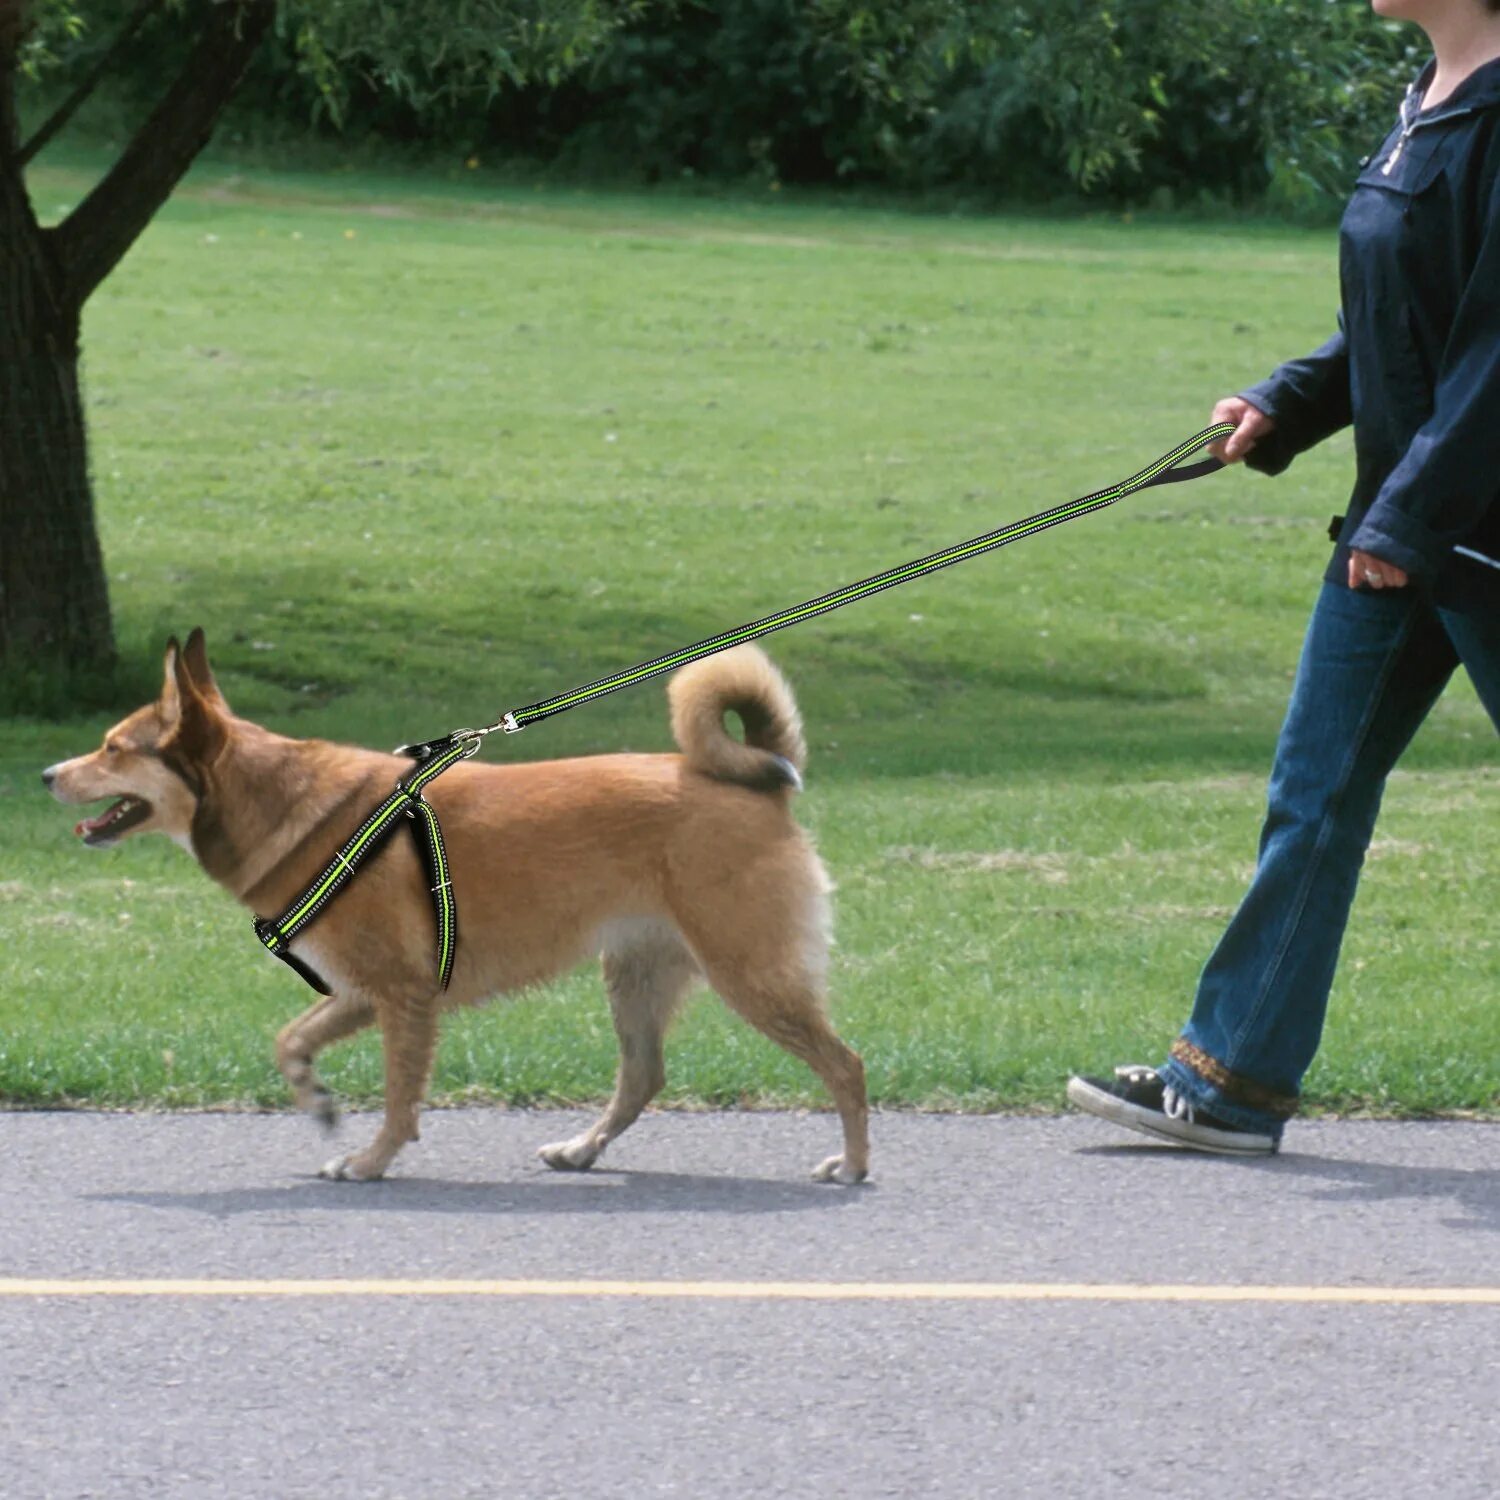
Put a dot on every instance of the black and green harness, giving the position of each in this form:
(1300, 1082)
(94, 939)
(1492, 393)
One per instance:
(405, 802)
(433, 757)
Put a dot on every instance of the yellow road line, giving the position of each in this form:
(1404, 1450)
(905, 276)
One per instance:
(762, 1291)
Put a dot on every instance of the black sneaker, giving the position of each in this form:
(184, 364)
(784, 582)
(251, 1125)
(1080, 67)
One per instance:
(1138, 1098)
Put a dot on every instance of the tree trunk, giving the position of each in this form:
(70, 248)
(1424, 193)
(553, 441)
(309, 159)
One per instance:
(54, 606)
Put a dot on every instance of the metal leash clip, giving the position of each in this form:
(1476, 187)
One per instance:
(424, 750)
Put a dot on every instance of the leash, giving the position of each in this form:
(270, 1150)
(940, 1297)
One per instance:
(433, 757)
(1168, 469)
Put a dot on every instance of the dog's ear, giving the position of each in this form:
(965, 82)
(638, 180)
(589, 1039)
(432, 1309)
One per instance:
(195, 721)
(195, 657)
(169, 705)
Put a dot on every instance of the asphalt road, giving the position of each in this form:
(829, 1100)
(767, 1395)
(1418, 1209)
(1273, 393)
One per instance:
(1064, 1338)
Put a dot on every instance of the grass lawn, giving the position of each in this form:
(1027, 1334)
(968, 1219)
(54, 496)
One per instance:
(416, 451)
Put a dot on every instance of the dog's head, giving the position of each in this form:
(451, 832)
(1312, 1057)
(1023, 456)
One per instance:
(152, 763)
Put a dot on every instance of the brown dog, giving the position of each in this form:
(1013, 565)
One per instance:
(673, 867)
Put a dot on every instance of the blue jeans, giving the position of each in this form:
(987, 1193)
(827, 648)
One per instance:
(1373, 664)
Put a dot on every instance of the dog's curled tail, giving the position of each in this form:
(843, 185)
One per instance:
(742, 681)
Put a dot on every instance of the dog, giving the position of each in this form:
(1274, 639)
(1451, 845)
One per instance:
(672, 868)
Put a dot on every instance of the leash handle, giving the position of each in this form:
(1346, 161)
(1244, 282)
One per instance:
(1168, 469)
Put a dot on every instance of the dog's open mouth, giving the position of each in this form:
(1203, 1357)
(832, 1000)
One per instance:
(114, 821)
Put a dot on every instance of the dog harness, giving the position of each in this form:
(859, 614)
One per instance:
(436, 756)
(433, 758)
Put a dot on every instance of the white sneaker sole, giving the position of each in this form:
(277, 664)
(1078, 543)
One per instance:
(1152, 1122)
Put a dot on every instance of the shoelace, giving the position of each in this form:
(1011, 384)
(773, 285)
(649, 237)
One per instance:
(1173, 1105)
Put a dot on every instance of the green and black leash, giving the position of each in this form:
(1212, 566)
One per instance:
(436, 756)
(1168, 469)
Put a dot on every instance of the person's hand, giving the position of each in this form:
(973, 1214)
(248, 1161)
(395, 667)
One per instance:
(1365, 567)
(1250, 423)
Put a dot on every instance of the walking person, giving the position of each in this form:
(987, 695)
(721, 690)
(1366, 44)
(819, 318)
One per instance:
(1412, 590)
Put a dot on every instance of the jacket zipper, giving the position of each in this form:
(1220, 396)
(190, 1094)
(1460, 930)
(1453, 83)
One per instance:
(1410, 127)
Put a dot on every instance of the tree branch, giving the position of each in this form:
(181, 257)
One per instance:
(93, 239)
(69, 107)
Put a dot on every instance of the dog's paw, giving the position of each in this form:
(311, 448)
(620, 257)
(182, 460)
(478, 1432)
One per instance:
(834, 1170)
(349, 1169)
(577, 1155)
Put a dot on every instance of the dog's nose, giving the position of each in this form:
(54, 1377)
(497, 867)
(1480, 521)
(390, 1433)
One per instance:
(49, 776)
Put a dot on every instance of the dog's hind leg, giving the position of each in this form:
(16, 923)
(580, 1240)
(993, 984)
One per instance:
(300, 1041)
(409, 1031)
(793, 1018)
(647, 972)
(770, 970)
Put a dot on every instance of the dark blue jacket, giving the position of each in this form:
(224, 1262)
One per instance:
(1415, 364)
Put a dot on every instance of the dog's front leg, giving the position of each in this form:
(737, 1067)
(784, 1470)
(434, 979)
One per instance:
(409, 1032)
(300, 1041)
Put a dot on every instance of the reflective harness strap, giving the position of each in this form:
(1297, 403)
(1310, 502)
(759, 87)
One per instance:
(276, 934)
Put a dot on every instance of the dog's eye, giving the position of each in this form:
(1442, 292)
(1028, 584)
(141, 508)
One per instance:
(111, 749)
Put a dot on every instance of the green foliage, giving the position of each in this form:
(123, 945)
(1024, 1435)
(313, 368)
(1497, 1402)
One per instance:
(47, 28)
(437, 55)
(1127, 100)
(431, 55)
(752, 89)
(1140, 95)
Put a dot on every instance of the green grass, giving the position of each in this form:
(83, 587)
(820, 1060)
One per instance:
(415, 452)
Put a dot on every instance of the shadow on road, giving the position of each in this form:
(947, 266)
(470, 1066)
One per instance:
(604, 1192)
(1475, 1191)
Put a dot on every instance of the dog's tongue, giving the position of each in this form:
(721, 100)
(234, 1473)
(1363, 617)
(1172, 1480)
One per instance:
(93, 825)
